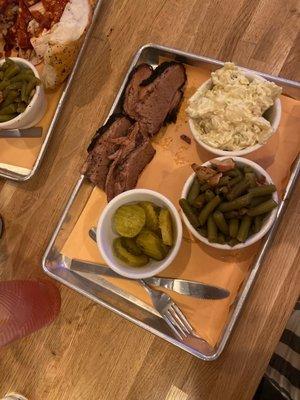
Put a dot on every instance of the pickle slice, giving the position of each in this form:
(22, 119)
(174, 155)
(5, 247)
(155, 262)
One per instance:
(127, 257)
(151, 215)
(151, 245)
(129, 220)
(165, 224)
(131, 246)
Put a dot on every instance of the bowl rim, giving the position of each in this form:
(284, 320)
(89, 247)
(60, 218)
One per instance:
(247, 150)
(254, 238)
(35, 96)
(132, 272)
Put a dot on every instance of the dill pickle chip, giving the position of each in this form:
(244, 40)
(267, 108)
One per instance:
(151, 215)
(165, 225)
(129, 220)
(131, 246)
(151, 245)
(129, 258)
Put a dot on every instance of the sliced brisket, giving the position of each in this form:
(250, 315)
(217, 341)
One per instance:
(131, 98)
(129, 161)
(104, 144)
(156, 99)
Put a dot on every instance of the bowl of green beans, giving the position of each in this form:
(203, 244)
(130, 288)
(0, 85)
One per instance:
(22, 97)
(229, 203)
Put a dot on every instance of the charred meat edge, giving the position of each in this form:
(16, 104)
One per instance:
(105, 127)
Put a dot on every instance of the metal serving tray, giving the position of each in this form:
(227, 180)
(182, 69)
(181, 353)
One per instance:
(98, 289)
(16, 173)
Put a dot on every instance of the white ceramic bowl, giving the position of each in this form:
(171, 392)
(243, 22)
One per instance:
(35, 109)
(268, 222)
(273, 115)
(106, 234)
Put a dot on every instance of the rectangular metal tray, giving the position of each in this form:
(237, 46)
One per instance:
(98, 289)
(16, 173)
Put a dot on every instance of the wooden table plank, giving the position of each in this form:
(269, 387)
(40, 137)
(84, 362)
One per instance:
(89, 352)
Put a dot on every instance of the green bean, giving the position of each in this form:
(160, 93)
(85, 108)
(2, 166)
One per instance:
(209, 195)
(262, 208)
(258, 200)
(235, 180)
(238, 189)
(4, 118)
(26, 75)
(31, 85)
(8, 63)
(244, 228)
(251, 178)
(221, 238)
(10, 109)
(243, 211)
(220, 222)
(233, 227)
(199, 201)
(11, 96)
(233, 242)
(223, 189)
(231, 214)
(202, 231)
(224, 180)
(194, 191)
(14, 86)
(204, 187)
(208, 209)
(232, 173)
(189, 213)
(11, 71)
(235, 204)
(262, 190)
(258, 222)
(23, 91)
(4, 84)
(212, 230)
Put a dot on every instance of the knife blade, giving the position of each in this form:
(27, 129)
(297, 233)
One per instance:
(34, 132)
(185, 287)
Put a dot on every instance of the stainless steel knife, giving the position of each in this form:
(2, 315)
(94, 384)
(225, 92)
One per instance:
(34, 132)
(181, 286)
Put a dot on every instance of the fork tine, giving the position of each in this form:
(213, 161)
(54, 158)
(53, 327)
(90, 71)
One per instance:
(181, 317)
(169, 323)
(179, 321)
(175, 323)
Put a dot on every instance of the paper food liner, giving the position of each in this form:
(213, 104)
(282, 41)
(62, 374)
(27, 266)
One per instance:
(167, 174)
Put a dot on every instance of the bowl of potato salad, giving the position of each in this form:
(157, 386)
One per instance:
(235, 112)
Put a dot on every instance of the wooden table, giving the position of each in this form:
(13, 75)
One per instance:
(89, 352)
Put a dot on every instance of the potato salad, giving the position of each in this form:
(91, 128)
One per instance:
(230, 114)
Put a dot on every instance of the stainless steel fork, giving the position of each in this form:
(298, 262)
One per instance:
(170, 312)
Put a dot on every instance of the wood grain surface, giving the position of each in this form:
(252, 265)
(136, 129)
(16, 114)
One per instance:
(88, 352)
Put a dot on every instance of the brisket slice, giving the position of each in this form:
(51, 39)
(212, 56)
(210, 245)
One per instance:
(129, 162)
(104, 144)
(172, 115)
(137, 75)
(158, 97)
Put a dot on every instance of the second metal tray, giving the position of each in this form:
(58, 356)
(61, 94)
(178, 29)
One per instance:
(98, 289)
(16, 173)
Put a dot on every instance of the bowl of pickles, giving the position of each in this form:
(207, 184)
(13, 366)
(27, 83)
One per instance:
(139, 233)
(22, 97)
(229, 203)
